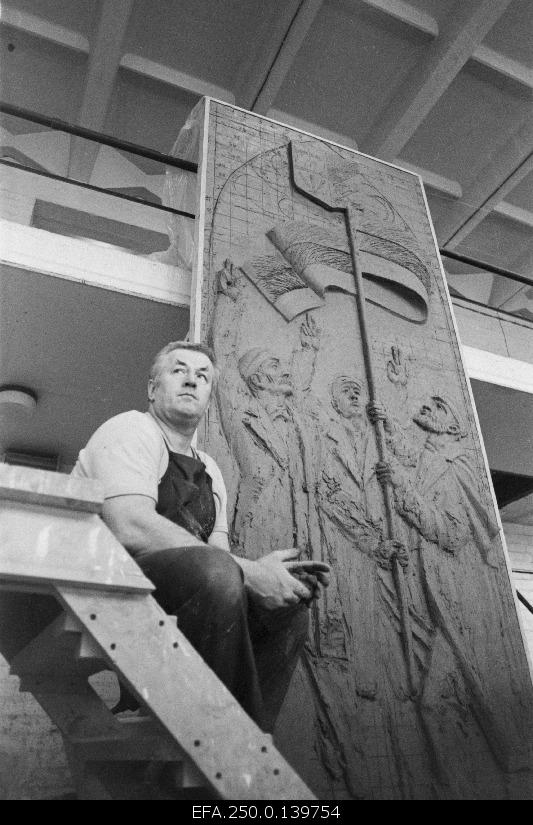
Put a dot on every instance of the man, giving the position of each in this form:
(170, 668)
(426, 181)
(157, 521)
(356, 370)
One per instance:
(346, 466)
(262, 416)
(439, 496)
(268, 454)
(165, 501)
(436, 494)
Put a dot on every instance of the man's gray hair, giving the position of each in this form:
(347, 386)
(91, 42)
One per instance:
(189, 345)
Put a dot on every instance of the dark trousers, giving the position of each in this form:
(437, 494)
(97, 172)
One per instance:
(253, 651)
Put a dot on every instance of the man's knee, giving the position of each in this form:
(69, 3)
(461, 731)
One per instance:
(201, 573)
(221, 578)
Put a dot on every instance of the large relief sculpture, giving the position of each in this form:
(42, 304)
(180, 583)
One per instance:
(343, 425)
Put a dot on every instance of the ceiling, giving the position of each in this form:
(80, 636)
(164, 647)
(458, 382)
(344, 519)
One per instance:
(439, 86)
(85, 351)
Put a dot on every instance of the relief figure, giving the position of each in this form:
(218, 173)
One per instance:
(359, 648)
(262, 423)
(437, 498)
(413, 683)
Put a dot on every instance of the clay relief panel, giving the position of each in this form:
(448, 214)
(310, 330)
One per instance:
(343, 426)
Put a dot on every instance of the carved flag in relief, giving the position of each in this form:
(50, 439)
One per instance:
(310, 260)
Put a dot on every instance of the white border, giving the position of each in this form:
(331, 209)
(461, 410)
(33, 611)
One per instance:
(197, 275)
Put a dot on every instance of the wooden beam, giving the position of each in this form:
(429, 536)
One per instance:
(265, 74)
(104, 61)
(32, 24)
(30, 486)
(172, 77)
(50, 545)
(465, 28)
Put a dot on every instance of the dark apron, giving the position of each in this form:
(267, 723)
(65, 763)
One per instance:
(185, 495)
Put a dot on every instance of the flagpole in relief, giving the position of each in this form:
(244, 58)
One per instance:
(321, 191)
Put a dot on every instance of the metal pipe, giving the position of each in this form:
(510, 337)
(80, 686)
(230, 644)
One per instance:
(497, 270)
(524, 601)
(109, 192)
(89, 134)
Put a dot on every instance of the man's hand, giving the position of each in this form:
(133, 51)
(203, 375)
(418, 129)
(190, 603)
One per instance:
(279, 580)
(390, 549)
(388, 474)
(397, 367)
(377, 412)
(230, 280)
(311, 573)
(310, 333)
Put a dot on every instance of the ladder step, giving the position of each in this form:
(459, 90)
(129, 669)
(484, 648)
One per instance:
(161, 669)
(58, 657)
(66, 623)
(88, 649)
(136, 739)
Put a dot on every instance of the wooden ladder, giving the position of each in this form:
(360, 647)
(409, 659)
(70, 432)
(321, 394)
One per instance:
(75, 603)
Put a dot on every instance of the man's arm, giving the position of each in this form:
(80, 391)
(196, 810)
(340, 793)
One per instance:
(440, 520)
(304, 358)
(135, 522)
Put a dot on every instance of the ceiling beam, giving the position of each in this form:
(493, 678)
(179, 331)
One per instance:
(507, 167)
(424, 22)
(505, 66)
(514, 213)
(266, 71)
(38, 26)
(438, 183)
(464, 30)
(410, 15)
(523, 264)
(255, 68)
(104, 60)
(311, 128)
(172, 77)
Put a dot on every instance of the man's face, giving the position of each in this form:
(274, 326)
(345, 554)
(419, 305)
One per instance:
(346, 397)
(274, 377)
(181, 391)
(435, 416)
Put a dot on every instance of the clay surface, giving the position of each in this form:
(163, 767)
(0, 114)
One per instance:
(415, 682)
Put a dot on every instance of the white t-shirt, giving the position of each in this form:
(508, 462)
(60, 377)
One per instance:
(128, 454)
